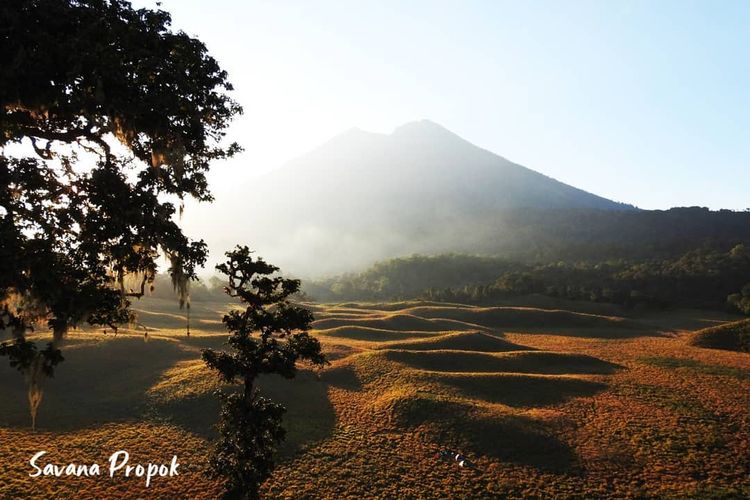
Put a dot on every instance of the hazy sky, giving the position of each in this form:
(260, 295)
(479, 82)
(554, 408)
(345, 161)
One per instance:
(642, 102)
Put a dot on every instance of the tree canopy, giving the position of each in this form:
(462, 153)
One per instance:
(108, 120)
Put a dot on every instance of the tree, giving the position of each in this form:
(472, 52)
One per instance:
(108, 119)
(741, 301)
(268, 337)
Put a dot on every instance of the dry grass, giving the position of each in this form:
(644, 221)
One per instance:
(733, 336)
(460, 341)
(547, 403)
(513, 362)
(369, 334)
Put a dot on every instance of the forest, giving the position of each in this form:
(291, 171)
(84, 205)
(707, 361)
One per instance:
(668, 271)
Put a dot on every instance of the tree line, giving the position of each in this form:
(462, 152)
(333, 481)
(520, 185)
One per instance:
(707, 276)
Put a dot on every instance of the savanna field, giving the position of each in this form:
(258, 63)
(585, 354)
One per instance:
(545, 401)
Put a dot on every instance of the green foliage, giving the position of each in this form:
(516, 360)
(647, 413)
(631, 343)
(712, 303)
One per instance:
(538, 235)
(250, 430)
(268, 337)
(408, 277)
(23, 353)
(80, 213)
(701, 277)
(741, 301)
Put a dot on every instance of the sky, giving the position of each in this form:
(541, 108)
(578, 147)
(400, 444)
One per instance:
(644, 102)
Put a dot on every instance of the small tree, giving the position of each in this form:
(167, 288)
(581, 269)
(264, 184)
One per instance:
(741, 300)
(269, 336)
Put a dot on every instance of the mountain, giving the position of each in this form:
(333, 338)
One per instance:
(364, 196)
(422, 161)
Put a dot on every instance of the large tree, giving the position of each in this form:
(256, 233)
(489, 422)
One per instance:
(269, 336)
(108, 120)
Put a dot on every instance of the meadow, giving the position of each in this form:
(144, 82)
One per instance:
(547, 398)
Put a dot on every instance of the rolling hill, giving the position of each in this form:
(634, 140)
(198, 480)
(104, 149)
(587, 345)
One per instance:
(546, 403)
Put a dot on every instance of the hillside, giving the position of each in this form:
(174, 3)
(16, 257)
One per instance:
(545, 403)
(363, 196)
(704, 277)
(733, 336)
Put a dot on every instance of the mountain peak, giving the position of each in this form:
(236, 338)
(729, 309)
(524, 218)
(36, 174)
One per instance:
(423, 128)
(366, 196)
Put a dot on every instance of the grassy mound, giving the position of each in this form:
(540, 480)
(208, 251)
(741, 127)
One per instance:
(515, 389)
(478, 431)
(370, 334)
(395, 306)
(185, 396)
(694, 366)
(103, 380)
(395, 321)
(459, 341)
(496, 317)
(186, 379)
(512, 362)
(733, 336)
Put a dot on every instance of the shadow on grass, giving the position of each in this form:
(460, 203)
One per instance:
(518, 362)
(520, 440)
(518, 390)
(460, 341)
(197, 414)
(216, 342)
(310, 416)
(99, 382)
(605, 332)
(369, 334)
(108, 381)
(509, 438)
(694, 366)
(342, 376)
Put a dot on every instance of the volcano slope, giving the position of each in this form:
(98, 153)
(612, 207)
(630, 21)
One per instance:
(545, 403)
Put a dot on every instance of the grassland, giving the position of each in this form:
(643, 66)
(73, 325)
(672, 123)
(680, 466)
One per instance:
(546, 401)
(734, 336)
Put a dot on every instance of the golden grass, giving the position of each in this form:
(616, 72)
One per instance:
(513, 362)
(370, 334)
(495, 317)
(547, 403)
(186, 379)
(146, 442)
(461, 341)
(395, 322)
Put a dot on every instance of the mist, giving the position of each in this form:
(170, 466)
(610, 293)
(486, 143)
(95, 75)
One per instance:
(363, 197)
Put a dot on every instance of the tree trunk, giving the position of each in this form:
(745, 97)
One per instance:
(59, 331)
(19, 332)
(248, 389)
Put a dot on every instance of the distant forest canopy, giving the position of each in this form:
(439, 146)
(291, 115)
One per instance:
(704, 277)
(680, 257)
(538, 235)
